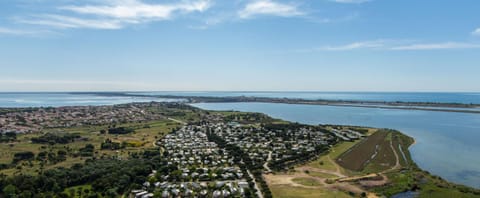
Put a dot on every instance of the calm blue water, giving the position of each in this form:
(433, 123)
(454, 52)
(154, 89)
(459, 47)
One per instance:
(65, 99)
(447, 143)
(465, 98)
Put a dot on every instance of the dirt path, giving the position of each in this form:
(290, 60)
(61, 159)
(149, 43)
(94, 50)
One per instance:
(287, 179)
(335, 173)
(337, 167)
(397, 160)
(179, 121)
(355, 178)
(265, 165)
(259, 192)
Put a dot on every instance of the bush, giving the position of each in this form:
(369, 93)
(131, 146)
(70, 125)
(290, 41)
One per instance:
(27, 155)
(50, 138)
(120, 130)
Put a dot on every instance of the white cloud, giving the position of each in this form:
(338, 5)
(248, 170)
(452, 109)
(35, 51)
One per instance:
(376, 44)
(60, 21)
(22, 32)
(351, 1)
(390, 44)
(116, 14)
(13, 31)
(476, 32)
(137, 10)
(268, 7)
(437, 46)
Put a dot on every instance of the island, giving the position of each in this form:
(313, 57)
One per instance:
(172, 149)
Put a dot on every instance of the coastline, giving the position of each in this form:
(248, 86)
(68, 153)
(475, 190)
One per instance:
(417, 106)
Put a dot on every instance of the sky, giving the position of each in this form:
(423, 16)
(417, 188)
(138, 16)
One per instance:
(240, 45)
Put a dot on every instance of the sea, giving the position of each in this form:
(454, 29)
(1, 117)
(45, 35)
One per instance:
(446, 142)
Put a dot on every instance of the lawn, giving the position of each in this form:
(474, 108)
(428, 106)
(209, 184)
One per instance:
(286, 191)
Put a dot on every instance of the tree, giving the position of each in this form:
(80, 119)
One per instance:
(9, 191)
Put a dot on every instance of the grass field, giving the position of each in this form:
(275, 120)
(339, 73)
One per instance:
(286, 191)
(143, 138)
(321, 175)
(326, 161)
(306, 181)
(373, 154)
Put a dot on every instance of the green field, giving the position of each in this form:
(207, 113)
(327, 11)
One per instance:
(143, 138)
(306, 181)
(374, 151)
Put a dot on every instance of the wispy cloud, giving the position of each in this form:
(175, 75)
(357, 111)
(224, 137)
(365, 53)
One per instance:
(437, 46)
(115, 14)
(476, 32)
(268, 7)
(61, 85)
(21, 32)
(395, 45)
(10, 31)
(60, 21)
(351, 1)
(376, 44)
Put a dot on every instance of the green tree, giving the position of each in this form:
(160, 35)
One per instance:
(9, 191)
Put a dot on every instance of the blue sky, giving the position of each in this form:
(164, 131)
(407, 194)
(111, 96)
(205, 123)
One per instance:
(211, 45)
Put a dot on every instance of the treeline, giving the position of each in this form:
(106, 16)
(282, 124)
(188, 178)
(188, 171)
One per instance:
(284, 126)
(110, 145)
(51, 138)
(284, 163)
(107, 177)
(8, 137)
(20, 156)
(240, 156)
(121, 130)
(51, 156)
(247, 118)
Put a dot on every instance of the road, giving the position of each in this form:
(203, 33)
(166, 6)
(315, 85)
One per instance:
(179, 121)
(266, 162)
(259, 192)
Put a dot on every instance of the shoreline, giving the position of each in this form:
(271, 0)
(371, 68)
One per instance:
(417, 106)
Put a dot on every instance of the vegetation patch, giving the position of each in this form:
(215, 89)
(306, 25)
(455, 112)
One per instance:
(321, 175)
(287, 191)
(374, 150)
(121, 130)
(8, 137)
(306, 181)
(51, 138)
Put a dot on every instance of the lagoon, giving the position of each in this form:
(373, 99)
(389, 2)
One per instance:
(447, 144)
